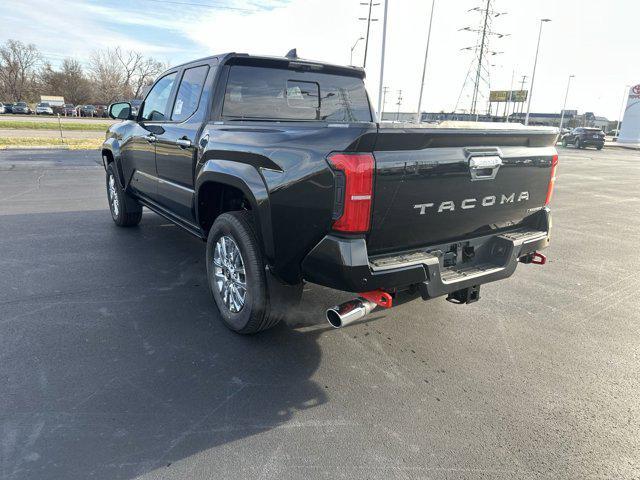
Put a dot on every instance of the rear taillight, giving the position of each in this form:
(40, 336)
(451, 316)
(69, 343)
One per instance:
(354, 189)
(552, 180)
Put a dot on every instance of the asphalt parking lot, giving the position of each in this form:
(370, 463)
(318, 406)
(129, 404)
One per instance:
(113, 364)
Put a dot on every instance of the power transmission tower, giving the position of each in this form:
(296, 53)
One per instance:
(477, 80)
(368, 19)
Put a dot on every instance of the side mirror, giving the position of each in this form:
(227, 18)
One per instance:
(120, 111)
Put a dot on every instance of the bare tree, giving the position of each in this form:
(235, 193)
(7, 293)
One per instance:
(119, 74)
(18, 64)
(69, 82)
(107, 76)
(146, 72)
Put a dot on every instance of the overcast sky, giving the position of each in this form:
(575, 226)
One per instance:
(596, 41)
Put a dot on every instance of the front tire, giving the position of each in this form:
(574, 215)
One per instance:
(564, 142)
(237, 277)
(125, 211)
(578, 144)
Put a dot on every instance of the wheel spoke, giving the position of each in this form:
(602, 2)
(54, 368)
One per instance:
(223, 248)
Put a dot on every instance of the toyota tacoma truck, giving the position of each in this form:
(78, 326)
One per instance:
(280, 165)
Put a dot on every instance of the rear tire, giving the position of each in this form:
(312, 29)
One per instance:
(564, 142)
(577, 144)
(125, 210)
(248, 301)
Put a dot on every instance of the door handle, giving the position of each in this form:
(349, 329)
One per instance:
(151, 138)
(184, 143)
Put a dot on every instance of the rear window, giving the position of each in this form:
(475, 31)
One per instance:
(281, 94)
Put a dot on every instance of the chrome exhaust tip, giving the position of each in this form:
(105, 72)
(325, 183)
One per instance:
(349, 312)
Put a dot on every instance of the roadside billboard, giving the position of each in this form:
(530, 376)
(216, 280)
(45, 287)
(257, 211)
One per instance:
(508, 96)
(630, 131)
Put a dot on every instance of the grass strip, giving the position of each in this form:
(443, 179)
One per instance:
(18, 125)
(70, 143)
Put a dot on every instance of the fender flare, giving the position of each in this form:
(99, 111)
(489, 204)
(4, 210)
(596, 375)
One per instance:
(247, 179)
(113, 146)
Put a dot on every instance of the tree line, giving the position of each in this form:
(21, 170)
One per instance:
(110, 74)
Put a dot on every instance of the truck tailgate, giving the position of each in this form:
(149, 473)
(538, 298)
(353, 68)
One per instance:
(436, 185)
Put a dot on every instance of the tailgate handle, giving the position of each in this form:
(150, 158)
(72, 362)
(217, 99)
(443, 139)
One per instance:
(484, 167)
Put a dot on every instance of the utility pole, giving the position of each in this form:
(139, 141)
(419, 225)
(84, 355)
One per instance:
(564, 105)
(385, 90)
(399, 103)
(508, 102)
(384, 37)
(424, 67)
(480, 53)
(524, 79)
(369, 20)
(533, 75)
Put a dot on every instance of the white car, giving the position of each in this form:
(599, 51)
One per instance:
(44, 109)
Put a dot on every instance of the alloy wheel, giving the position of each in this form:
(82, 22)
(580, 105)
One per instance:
(229, 273)
(113, 196)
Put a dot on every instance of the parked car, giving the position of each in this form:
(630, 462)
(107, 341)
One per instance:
(2, 109)
(102, 111)
(8, 107)
(583, 137)
(44, 109)
(244, 153)
(88, 111)
(20, 108)
(68, 110)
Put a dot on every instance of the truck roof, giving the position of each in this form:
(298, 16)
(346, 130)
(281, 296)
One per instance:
(245, 58)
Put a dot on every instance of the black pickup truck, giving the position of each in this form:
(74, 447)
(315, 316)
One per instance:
(280, 166)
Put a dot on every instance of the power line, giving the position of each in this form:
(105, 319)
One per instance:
(216, 6)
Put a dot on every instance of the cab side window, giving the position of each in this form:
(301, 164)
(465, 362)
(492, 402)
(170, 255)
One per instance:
(156, 106)
(188, 95)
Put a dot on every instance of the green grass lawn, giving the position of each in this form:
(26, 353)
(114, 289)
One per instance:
(71, 143)
(22, 125)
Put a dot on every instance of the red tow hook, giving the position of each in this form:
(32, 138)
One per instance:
(538, 258)
(379, 297)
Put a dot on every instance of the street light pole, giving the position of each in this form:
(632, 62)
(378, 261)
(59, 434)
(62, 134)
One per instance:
(424, 67)
(352, 48)
(384, 37)
(624, 97)
(533, 75)
(564, 105)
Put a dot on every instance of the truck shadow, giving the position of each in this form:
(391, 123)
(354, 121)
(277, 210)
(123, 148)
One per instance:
(115, 362)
